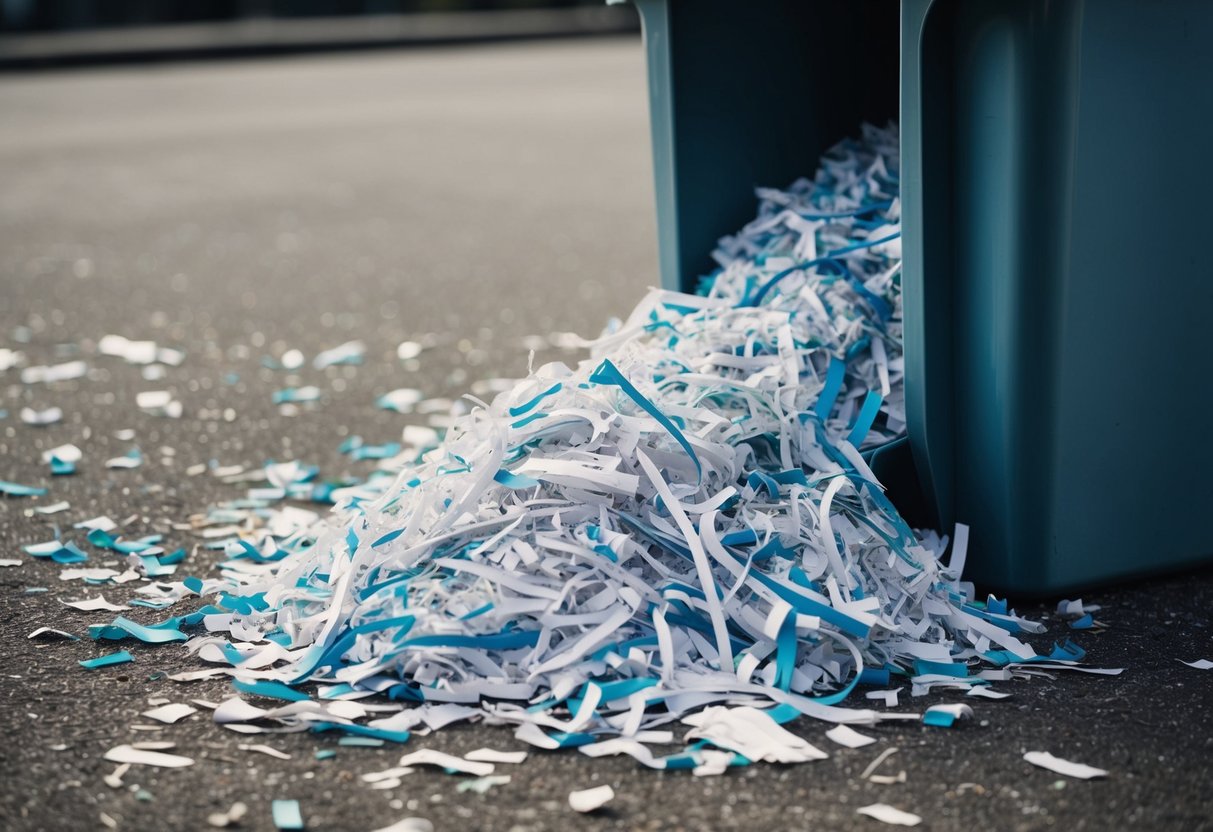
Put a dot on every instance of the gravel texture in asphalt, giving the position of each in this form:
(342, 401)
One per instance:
(468, 198)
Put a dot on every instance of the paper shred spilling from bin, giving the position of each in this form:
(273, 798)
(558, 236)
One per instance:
(682, 526)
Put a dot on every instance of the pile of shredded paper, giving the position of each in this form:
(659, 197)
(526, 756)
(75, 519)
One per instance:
(682, 522)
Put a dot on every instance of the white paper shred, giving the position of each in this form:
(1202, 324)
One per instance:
(170, 713)
(849, 737)
(889, 697)
(146, 757)
(63, 453)
(114, 778)
(488, 755)
(58, 372)
(231, 817)
(481, 785)
(1044, 759)
(889, 814)
(402, 400)
(103, 523)
(751, 733)
(347, 353)
(430, 757)
(1199, 664)
(267, 750)
(590, 800)
(875, 764)
(95, 604)
(49, 416)
(159, 403)
(408, 350)
(134, 352)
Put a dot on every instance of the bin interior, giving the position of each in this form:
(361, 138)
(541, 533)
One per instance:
(751, 94)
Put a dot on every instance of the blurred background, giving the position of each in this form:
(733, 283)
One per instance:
(40, 33)
(51, 15)
(477, 190)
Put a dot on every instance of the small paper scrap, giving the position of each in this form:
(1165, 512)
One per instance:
(63, 459)
(1044, 759)
(16, 489)
(889, 697)
(95, 605)
(489, 755)
(401, 401)
(159, 403)
(286, 814)
(121, 657)
(58, 372)
(40, 418)
(1199, 664)
(751, 733)
(889, 814)
(170, 713)
(348, 353)
(430, 757)
(143, 757)
(481, 785)
(229, 818)
(267, 750)
(131, 459)
(591, 800)
(849, 737)
(944, 716)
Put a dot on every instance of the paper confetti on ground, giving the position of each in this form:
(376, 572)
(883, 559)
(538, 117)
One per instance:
(890, 815)
(145, 757)
(170, 713)
(1046, 760)
(591, 800)
(846, 736)
(231, 817)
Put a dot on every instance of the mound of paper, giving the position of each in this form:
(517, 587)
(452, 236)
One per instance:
(684, 520)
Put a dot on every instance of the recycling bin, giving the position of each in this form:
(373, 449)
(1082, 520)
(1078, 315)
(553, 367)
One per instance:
(1055, 202)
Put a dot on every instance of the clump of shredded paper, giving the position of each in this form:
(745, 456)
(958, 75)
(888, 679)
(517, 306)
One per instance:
(684, 520)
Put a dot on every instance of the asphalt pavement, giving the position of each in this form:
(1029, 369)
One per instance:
(466, 198)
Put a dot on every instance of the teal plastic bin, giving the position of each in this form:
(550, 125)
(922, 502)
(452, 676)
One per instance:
(1056, 202)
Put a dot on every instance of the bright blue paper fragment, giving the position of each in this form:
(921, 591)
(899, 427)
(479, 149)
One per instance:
(121, 657)
(13, 489)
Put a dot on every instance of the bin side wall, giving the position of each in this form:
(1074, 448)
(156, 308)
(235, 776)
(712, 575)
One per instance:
(1054, 241)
